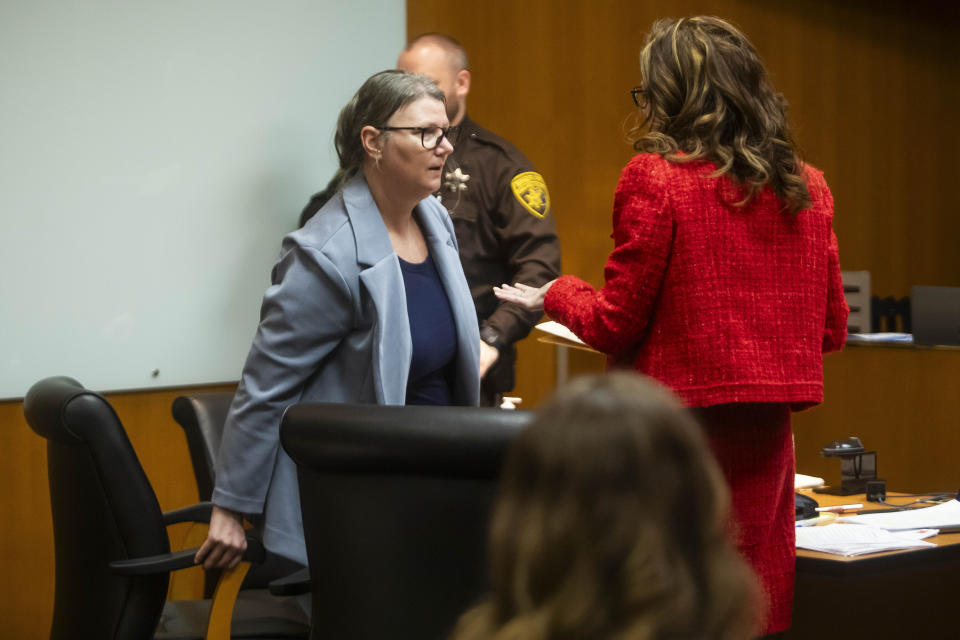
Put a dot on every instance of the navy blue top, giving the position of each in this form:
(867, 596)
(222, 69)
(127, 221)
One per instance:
(434, 334)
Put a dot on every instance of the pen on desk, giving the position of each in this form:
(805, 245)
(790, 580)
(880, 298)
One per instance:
(840, 508)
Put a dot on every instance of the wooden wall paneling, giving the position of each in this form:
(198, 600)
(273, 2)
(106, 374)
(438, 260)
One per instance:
(26, 529)
(901, 403)
(26, 536)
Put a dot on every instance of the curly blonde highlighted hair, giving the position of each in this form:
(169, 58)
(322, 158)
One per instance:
(612, 524)
(706, 94)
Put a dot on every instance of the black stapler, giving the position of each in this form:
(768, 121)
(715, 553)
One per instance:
(806, 506)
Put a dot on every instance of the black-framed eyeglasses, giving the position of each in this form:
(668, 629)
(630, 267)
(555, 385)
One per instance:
(639, 95)
(430, 137)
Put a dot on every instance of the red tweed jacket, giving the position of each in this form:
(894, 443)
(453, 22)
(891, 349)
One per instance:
(721, 303)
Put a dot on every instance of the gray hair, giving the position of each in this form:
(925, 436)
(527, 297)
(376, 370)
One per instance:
(382, 95)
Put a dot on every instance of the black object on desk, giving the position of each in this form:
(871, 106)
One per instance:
(806, 507)
(884, 313)
(876, 490)
(857, 466)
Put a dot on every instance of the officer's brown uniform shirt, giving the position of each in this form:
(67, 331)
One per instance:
(501, 213)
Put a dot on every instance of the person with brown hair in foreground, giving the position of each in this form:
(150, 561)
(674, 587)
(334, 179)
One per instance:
(612, 522)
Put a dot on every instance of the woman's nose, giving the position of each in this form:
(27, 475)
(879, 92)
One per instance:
(445, 147)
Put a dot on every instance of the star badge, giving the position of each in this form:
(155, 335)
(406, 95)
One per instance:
(456, 180)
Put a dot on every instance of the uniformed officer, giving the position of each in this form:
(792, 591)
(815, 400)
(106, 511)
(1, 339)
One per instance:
(501, 214)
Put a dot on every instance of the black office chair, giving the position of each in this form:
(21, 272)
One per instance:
(113, 558)
(885, 313)
(395, 506)
(203, 416)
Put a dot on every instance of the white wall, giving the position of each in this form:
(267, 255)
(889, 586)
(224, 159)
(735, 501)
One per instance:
(152, 155)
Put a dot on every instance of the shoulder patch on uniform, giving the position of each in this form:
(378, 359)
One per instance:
(530, 189)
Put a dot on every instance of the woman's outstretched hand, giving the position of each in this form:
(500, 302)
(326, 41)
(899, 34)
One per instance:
(524, 295)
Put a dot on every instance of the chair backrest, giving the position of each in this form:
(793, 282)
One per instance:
(395, 506)
(202, 416)
(890, 314)
(104, 509)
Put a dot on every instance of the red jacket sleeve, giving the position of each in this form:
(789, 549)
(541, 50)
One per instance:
(614, 318)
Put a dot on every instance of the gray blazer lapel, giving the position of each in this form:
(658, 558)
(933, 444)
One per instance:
(380, 274)
(447, 259)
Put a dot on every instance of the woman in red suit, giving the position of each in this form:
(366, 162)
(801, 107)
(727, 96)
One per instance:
(724, 282)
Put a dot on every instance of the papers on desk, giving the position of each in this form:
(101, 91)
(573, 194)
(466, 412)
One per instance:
(941, 516)
(858, 539)
(801, 481)
(881, 337)
(869, 533)
(557, 329)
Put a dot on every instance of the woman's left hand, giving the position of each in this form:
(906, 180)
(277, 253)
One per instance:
(524, 295)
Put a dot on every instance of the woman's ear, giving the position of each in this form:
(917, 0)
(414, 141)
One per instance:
(371, 141)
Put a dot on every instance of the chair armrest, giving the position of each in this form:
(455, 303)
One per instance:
(166, 562)
(147, 565)
(199, 512)
(191, 584)
(295, 584)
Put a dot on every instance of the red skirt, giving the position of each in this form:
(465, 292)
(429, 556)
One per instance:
(754, 446)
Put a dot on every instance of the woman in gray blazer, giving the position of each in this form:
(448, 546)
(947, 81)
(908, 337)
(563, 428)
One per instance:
(368, 304)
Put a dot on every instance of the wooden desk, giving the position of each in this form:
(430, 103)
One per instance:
(946, 551)
(892, 594)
